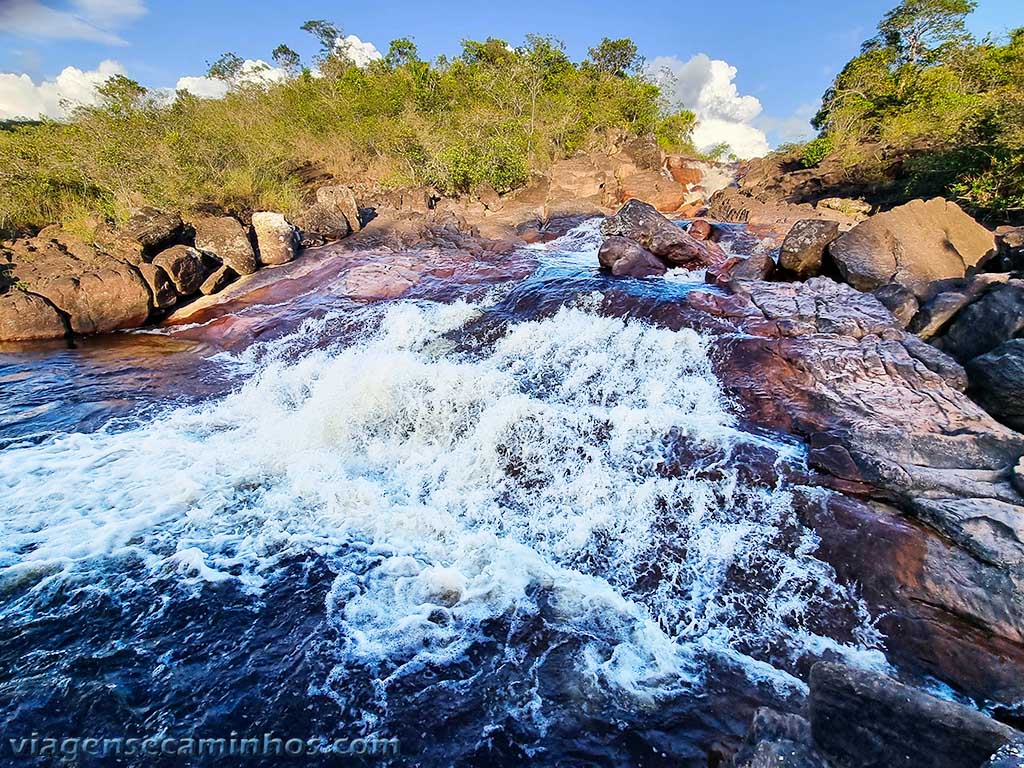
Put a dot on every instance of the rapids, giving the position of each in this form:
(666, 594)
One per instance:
(500, 539)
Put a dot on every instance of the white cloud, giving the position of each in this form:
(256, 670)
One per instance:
(707, 87)
(254, 72)
(92, 20)
(21, 97)
(360, 52)
(795, 128)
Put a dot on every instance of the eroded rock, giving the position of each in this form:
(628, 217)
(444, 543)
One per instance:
(184, 266)
(276, 239)
(641, 223)
(27, 317)
(224, 238)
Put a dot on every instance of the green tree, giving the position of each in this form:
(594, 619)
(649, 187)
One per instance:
(917, 29)
(617, 57)
(287, 59)
(326, 33)
(227, 67)
(401, 52)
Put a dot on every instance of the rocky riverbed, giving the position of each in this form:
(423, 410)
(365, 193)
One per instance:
(554, 477)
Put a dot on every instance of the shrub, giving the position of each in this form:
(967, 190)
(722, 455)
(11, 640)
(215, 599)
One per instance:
(815, 151)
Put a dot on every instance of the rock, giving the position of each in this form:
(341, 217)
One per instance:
(1010, 248)
(1009, 756)
(224, 238)
(218, 280)
(846, 205)
(184, 266)
(342, 199)
(588, 178)
(627, 258)
(161, 288)
(804, 247)
(997, 382)
(684, 170)
(731, 204)
(776, 740)
(645, 152)
(913, 245)
(275, 238)
(27, 317)
(757, 266)
(899, 300)
(96, 292)
(984, 325)
(641, 223)
(334, 214)
(862, 718)
(700, 229)
(933, 316)
(1017, 476)
(154, 229)
(663, 193)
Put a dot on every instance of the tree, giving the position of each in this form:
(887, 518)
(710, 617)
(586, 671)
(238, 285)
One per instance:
(617, 57)
(228, 67)
(287, 59)
(119, 95)
(325, 32)
(917, 29)
(401, 52)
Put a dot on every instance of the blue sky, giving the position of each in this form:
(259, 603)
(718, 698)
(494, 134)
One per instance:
(785, 52)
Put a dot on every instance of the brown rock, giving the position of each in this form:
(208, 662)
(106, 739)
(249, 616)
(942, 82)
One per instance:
(275, 238)
(184, 266)
(651, 186)
(626, 258)
(154, 229)
(684, 170)
(218, 280)
(913, 245)
(641, 223)
(804, 247)
(160, 286)
(224, 238)
(27, 317)
(700, 229)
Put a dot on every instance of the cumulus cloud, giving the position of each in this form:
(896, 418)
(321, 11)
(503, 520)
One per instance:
(707, 87)
(794, 128)
(253, 72)
(360, 52)
(92, 20)
(20, 97)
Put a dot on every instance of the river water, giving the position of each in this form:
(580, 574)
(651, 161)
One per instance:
(506, 529)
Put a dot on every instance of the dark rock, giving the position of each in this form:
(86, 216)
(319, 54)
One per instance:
(160, 285)
(913, 245)
(776, 740)
(1009, 756)
(218, 280)
(945, 298)
(154, 229)
(184, 266)
(899, 300)
(865, 719)
(276, 239)
(804, 247)
(700, 229)
(997, 382)
(27, 317)
(996, 317)
(1010, 248)
(640, 222)
(626, 258)
(224, 238)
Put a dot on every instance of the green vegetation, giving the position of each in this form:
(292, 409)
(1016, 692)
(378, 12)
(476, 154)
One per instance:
(492, 114)
(925, 91)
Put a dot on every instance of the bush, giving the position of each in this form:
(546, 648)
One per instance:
(816, 151)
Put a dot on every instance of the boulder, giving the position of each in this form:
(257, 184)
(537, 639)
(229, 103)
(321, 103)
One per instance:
(334, 214)
(160, 285)
(803, 250)
(27, 317)
(1010, 248)
(224, 238)
(154, 229)
(776, 740)
(96, 292)
(980, 327)
(218, 280)
(587, 179)
(627, 258)
(343, 200)
(757, 266)
(641, 223)
(866, 719)
(913, 245)
(663, 193)
(899, 300)
(997, 382)
(275, 238)
(700, 229)
(184, 266)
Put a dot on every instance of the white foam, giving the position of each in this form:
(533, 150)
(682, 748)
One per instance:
(479, 479)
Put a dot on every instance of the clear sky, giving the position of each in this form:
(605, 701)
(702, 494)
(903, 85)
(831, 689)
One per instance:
(785, 52)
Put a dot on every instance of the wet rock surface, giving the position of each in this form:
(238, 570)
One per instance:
(641, 222)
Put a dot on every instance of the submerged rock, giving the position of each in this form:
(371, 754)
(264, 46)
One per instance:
(913, 245)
